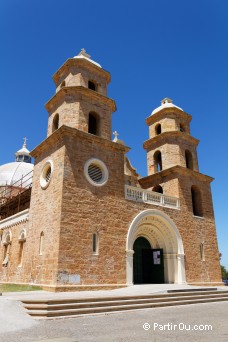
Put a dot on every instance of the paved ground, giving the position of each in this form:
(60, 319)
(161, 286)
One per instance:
(17, 326)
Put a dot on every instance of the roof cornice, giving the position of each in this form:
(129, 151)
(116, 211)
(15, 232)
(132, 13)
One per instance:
(172, 173)
(58, 136)
(166, 111)
(84, 64)
(164, 138)
(79, 90)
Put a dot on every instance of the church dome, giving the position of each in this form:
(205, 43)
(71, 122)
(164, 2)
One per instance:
(13, 172)
(166, 103)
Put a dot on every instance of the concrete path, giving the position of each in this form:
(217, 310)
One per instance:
(125, 291)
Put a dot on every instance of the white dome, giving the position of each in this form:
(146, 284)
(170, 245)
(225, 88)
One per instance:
(13, 172)
(84, 55)
(166, 103)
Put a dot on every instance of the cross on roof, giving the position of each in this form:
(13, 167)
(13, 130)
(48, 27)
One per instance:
(115, 135)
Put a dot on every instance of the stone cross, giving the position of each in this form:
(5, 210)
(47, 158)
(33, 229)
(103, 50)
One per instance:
(116, 136)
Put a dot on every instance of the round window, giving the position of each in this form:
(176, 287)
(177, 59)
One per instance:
(96, 172)
(45, 177)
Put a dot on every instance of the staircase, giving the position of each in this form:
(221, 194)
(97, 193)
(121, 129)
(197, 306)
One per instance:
(62, 308)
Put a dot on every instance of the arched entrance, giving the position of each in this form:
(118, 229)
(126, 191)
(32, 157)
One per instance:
(166, 249)
(148, 265)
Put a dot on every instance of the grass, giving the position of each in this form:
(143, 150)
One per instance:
(18, 288)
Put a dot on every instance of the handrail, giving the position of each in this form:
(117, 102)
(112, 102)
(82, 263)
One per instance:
(139, 195)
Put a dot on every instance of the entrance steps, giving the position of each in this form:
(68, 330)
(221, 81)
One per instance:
(71, 307)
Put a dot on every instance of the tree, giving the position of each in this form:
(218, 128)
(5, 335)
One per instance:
(224, 272)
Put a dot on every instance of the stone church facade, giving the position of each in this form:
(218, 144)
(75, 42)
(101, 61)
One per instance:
(92, 222)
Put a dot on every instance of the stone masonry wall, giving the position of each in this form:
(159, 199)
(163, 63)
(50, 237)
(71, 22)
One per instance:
(172, 153)
(44, 216)
(87, 209)
(78, 76)
(74, 112)
(14, 271)
(169, 122)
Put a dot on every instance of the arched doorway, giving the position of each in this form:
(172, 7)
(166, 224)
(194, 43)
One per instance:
(148, 266)
(162, 236)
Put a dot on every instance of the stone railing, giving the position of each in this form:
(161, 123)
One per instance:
(155, 198)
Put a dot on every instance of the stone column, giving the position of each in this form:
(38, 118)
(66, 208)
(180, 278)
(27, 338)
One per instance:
(180, 269)
(129, 267)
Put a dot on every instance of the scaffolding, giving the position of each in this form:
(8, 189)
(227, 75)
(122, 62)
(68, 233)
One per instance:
(16, 196)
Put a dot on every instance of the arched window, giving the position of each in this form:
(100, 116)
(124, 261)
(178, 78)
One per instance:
(157, 161)
(41, 245)
(202, 257)
(182, 128)
(22, 239)
(91, 85)
(158, 188)
(55, 123)
(6, 243)
(21, 252)
(158, 129)
(93, 123)
(95, 243)
(188, 160)
(196, 201)
(63, 84)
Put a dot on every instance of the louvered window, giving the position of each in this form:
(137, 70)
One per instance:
(46, 174)
(96, 172)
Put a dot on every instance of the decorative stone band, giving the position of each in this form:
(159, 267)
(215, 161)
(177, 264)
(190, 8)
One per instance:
(140, 195)
(13, 220)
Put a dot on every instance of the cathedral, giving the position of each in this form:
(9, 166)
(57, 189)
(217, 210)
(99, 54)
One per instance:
(81, 217)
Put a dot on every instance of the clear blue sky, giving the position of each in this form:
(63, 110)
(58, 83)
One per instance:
(153, 49)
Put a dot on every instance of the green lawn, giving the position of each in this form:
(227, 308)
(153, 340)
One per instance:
(18, 288)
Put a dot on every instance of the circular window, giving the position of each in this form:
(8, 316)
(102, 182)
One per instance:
(45, 177)
(96, 172)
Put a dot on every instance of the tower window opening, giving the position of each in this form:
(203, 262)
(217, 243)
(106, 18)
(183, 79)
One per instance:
(188, 160)
(196, 202)
(157, 161)
(158, 189)
(92, 85)
(55, 123)
(93, 124)
(158, 129)
(182, 128)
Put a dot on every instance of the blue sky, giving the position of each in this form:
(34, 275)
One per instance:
(153, 49)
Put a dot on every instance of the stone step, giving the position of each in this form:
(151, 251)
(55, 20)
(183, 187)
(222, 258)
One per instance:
(71, 307)
(114, 302)
(108, 309)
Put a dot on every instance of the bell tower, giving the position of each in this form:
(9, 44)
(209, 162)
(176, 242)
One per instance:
(170, 142)
(173, 170)
(81, 100)
(78, 169)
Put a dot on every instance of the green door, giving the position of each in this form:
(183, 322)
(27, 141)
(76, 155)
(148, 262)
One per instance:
(148, 265)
